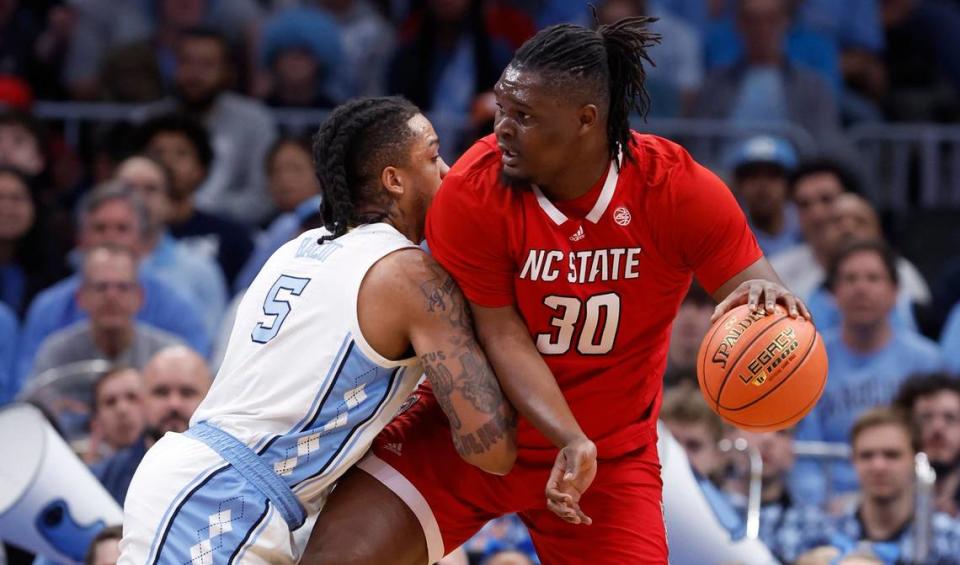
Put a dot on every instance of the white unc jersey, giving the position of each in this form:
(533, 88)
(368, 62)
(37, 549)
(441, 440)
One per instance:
(299, 384)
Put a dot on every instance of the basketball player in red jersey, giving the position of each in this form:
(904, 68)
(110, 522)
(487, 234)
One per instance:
(575, 240)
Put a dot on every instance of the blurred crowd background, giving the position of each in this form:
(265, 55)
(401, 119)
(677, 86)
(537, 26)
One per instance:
(154, 153)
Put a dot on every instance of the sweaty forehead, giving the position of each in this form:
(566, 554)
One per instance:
(527, 87)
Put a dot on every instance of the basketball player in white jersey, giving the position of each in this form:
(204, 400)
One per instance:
(329, 341)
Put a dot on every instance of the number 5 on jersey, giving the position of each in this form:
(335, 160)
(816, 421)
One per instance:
(277, 307)
(600, 311)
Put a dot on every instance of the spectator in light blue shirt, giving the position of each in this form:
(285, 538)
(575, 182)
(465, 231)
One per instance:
(766, 85)
(56, 308)
(164, 307)
(8, 348)
(193, 273)
(761, 167)
(869, 358)
(853, 218)
(883, 525)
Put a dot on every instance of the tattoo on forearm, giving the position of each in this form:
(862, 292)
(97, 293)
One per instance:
(476, 383)
(479, 384)
(443, 385)
(498, 428)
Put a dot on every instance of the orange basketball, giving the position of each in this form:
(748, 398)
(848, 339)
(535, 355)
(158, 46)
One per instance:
(762, 372)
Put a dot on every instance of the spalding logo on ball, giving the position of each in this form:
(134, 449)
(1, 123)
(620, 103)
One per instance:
(762, 372)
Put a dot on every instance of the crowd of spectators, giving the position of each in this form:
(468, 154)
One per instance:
(131, 242)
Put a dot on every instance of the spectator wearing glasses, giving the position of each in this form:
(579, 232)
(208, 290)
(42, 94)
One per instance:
(146, 182)
(107, 217)
(933, 403)
(110, 293)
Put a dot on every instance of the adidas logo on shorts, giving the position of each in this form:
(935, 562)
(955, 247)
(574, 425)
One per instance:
(394, 448)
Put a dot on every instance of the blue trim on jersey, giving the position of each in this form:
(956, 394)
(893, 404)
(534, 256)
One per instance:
(253, 468)
(244, 544)
(357, 393)
(354, 436)
(346, 347)
(394, 386)
(258, 530)
(264, 444)
(215, 520)
(177, 502)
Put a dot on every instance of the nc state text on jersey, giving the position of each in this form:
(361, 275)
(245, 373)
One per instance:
(581, 267)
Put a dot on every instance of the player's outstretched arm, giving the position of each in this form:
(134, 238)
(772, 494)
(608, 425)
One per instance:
(482, 422)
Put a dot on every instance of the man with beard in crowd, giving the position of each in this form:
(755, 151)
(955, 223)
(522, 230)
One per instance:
(933, 403)
(174, 381)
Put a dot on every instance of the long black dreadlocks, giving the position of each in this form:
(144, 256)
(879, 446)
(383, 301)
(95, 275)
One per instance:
(351, 149)
(609, 59)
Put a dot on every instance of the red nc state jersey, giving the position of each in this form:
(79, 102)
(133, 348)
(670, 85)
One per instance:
(598, 290)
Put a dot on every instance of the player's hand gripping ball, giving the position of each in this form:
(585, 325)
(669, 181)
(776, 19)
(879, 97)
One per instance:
(762, 372)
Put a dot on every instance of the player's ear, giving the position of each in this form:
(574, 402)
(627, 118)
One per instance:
(392, 181)
(589, 116)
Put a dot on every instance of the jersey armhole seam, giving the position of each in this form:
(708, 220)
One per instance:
(358, 336)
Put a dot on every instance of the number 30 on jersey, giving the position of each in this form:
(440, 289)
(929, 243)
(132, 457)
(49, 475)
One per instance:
(592, 323)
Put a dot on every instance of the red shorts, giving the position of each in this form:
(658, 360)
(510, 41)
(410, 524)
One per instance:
(414, 456)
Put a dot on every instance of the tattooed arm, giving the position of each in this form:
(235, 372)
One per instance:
(409, 290)
(482, 423)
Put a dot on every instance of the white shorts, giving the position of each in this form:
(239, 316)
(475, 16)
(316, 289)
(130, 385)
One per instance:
(186, 505)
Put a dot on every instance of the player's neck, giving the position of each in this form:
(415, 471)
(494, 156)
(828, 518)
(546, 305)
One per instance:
(883, 518)
(582, 174)
(405, 224)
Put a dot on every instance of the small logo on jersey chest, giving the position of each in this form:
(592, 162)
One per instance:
(579, 235)
(622, 216)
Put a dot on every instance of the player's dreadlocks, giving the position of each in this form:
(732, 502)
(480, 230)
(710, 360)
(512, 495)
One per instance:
(610, 59)
(351, 149)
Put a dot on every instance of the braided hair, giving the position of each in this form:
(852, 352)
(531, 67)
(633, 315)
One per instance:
(609, 61)
(351, 149)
